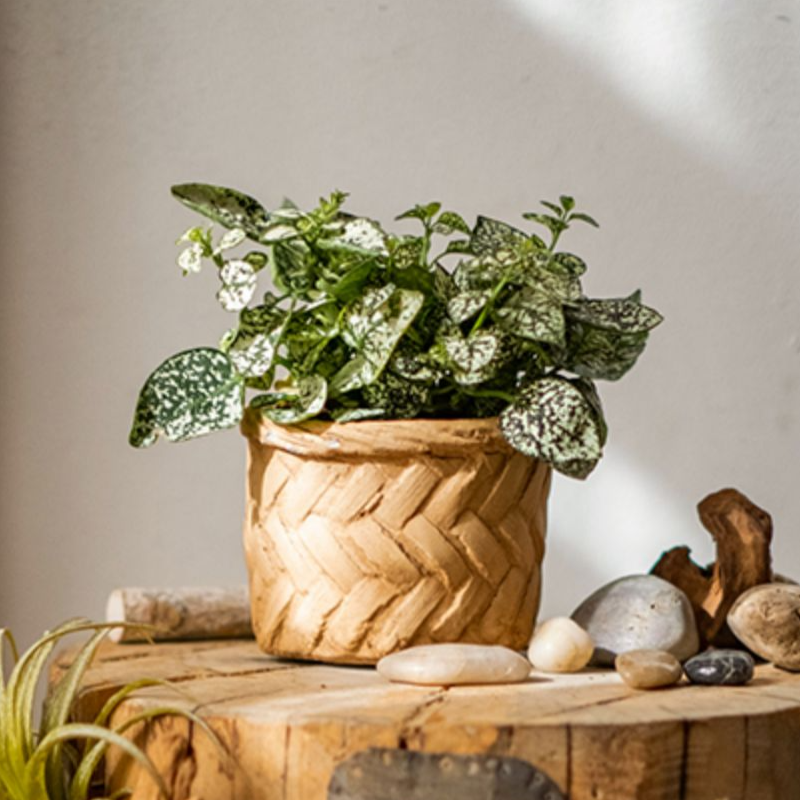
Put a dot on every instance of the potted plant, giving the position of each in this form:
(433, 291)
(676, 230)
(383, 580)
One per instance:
(412, 394)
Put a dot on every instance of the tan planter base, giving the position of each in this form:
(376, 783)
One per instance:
(365, 538)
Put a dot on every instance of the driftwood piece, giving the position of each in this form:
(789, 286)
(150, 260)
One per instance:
(742, 534)
(175, 614)
(392, 774)
(286, 726)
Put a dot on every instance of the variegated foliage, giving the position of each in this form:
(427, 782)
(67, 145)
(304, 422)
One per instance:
(372, 324)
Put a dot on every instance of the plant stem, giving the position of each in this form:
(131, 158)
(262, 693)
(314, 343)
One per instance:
(489, 303)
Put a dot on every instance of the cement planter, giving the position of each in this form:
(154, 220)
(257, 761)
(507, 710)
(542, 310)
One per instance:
(368, 537)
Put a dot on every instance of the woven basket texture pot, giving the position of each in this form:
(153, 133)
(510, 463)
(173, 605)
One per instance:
(367, 537)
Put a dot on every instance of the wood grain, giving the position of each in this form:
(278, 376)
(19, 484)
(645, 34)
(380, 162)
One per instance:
(287, 725)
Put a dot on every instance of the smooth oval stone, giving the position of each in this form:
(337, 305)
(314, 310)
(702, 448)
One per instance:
(452, 664)
(560, 645)
(638, 612)
(648, 669)
(720, 668)
(766, 619)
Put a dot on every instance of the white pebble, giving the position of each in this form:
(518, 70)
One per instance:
(560, 645)
(451, 664)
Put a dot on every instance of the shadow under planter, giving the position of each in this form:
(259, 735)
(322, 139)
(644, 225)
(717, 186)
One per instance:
(367, 537)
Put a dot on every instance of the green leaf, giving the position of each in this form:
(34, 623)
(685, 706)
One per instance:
(553, 224)
(567, 202)
(398, 398)
(533, 315)
(293, 267)
(490, 237)
(465, 305)
(421, 212)
(554, 207)
(288, 408)
(229, 240)
(477, 273)
(190, 394)
(553, 421)
(415, 367)
(352, 283)
(238, 285)
(584, 218)
(567, 264)
(625, 315)
(228, 207)
(190, 260)
(254, 353)
(372, 327)
(458, 246)
(449, 222)
(406, 252)
(598, 353)
(474, 359)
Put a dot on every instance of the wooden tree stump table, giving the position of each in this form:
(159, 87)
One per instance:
(289, 725)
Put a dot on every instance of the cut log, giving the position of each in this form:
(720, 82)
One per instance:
(742, 534)
(287, 726)
(175, 614)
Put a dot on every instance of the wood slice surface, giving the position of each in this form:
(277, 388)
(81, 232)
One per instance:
(288, 725)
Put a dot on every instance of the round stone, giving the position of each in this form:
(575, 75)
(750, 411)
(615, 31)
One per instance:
(720, 668)
(638, 612)
(766, 619)
(560, 645)
(452, 664)
(648, 669)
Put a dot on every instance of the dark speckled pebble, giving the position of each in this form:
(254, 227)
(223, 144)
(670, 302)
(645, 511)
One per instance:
(720, 668)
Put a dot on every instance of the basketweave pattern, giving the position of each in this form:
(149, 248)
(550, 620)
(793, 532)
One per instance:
(351, 560)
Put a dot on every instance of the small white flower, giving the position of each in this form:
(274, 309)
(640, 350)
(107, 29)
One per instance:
(190, 259)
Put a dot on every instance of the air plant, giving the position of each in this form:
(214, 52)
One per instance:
(60, 760)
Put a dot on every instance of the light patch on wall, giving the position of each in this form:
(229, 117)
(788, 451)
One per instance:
(617, 522)
(661, 56)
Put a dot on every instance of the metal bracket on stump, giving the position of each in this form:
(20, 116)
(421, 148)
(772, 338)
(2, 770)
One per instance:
(391, 774)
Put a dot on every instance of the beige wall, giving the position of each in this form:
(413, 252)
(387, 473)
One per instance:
(676, 123)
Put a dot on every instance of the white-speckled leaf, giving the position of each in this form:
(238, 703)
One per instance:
(191, 394)
(467, 304)
(604, 354)
(229, 240)
(474, 359)
(254, 353)
(355, 414)
(567, 264)
(406, 252)
(626, 315)
(416, 367)
(490, 237)
(373, 327)
(305, 402)
(238, 285)
(450, 222)
(364, 235)
(279, 233)
(228, 207)
(553, 421)
(191, 259)
(477, 273)
(533, 315)
(399, 399)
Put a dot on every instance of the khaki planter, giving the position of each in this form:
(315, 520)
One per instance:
(367, 537)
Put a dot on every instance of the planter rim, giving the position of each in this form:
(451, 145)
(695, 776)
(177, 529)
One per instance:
(392, 438)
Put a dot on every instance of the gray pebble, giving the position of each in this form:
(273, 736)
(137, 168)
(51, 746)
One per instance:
(720, 668)
(638, 612)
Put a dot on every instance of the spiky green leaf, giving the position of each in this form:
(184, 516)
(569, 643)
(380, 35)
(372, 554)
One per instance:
(190, 394)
